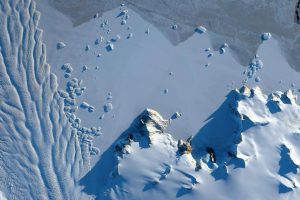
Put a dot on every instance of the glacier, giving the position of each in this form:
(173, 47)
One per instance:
(157, 114)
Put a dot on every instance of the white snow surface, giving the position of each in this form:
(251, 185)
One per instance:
(136, 72)
(265, 160)
(238, 143)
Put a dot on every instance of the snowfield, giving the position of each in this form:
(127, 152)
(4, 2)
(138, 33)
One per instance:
(139, 100)
(255, 149)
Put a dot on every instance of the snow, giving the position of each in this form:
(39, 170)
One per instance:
(266, 145)
(65, 136)
(138, 81)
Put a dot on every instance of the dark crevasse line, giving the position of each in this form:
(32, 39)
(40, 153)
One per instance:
(297, 14)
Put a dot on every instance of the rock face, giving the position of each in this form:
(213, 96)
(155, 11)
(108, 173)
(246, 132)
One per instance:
(144, 129)
(184, 147)
(151, 122)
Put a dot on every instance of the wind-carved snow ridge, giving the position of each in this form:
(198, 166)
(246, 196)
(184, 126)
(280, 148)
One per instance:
(40, 156)
(242, 136)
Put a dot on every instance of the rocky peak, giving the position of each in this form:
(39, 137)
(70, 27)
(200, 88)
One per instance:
(151, 122)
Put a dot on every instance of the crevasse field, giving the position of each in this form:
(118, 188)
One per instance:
(143, 100)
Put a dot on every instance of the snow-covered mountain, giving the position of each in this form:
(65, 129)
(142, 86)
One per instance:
(138, 99)
(254, 149)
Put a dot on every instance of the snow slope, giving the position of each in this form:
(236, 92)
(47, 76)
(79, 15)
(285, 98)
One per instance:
(252, 156)
(71, 135)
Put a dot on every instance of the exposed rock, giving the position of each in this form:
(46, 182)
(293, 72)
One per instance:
(151, 122)
(245, 91)
(289, 97)
(184, 147)
(212, 155)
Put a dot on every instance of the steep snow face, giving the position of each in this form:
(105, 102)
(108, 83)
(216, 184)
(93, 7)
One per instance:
(261, 154)
(236, 22)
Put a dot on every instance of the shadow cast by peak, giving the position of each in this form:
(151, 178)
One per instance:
(282, 189)
(217, 141)
(222, 131)
(286, 166)
(183, 191)
(286, 163)
(96, 181)
(220, 135)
